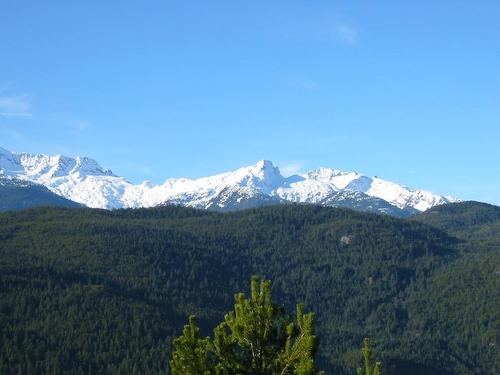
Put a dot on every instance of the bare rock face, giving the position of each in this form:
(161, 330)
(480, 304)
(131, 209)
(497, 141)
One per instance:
(346, 240)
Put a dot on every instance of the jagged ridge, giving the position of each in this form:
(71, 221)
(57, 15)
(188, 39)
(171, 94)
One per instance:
(83, 180)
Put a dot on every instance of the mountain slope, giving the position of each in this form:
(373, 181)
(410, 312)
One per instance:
(104, 291)
(83, 180)
(466, 291)
(460, 216)
(18, 194)
(478, 224)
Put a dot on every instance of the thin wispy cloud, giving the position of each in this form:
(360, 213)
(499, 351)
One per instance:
(316, 24)
(15, 105)
(304, 84)
(292, 168)
(347, 34)
(146, 169)
(70, 121)
(79, 123)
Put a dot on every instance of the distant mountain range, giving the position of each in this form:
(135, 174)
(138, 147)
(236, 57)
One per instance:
(84, 181)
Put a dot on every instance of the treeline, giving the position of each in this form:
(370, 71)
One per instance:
(103, 292)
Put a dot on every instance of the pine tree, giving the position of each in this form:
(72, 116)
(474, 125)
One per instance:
(257, 338)
(191, 356)
(368, 359)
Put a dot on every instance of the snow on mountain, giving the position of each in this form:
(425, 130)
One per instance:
(83, 180)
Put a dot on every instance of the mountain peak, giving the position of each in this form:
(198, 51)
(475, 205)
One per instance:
(265, 164)
(44, 167)
(91, 167)
(263, 176)
(265, 168)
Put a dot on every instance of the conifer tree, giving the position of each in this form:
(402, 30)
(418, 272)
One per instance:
(368, 359)
(191, 355)
(257, 338)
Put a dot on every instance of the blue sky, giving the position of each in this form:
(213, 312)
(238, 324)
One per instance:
(407, 91)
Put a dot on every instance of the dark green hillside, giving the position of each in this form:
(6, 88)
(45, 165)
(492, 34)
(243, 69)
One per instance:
(477, 223)
(460, 216)
(463, 300)
(92, 291)
(17, 195)
(466, 293)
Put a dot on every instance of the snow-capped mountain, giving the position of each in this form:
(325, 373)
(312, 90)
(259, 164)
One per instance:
(83, 180)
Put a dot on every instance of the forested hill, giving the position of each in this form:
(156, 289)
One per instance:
(17, 195)
(92, 291)
(476, 223)
(465, 293)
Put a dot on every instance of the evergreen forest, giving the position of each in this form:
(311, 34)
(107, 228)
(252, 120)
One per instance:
(86, 291)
